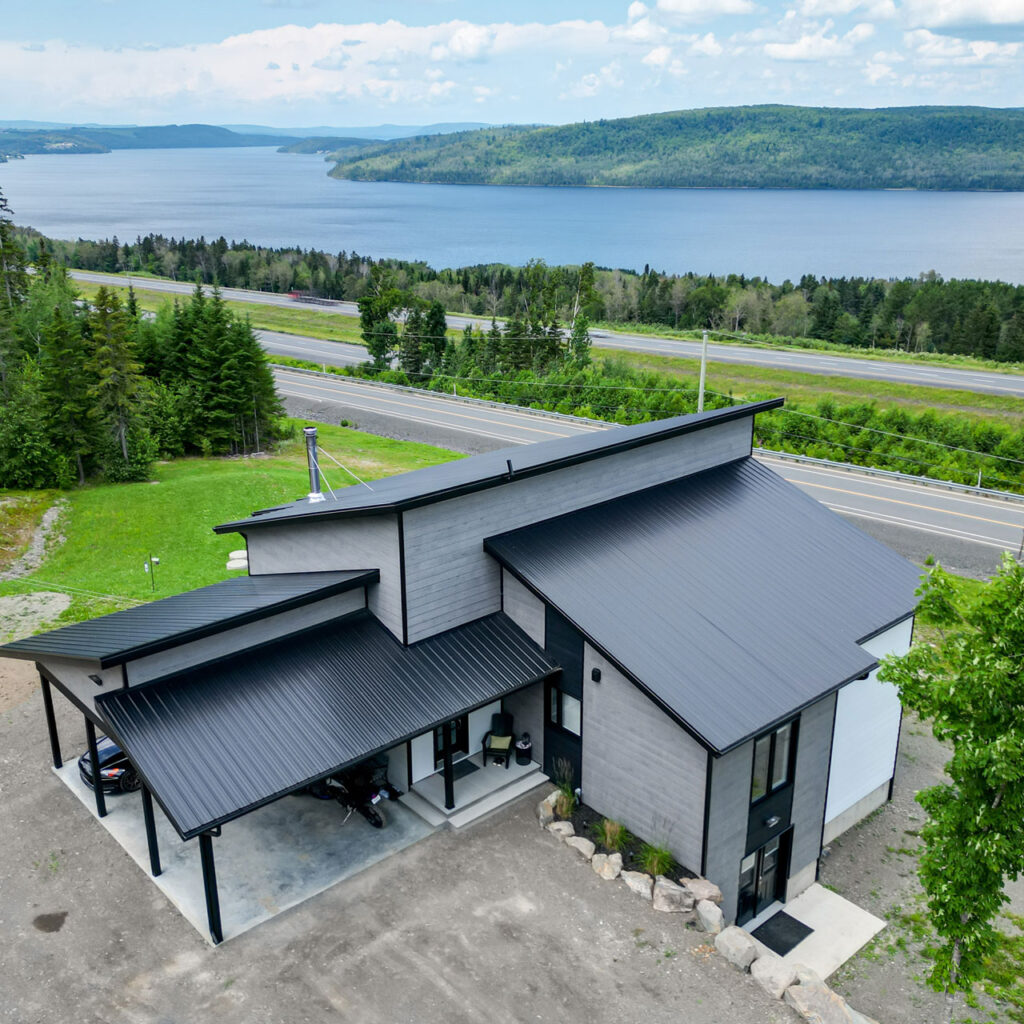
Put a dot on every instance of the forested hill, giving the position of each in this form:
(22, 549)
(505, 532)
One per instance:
(19, 142)
(734, 147)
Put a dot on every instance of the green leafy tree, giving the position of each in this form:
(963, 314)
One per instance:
(28, 458)
(13, 286)
(970, 683)
(377, 328)
(578, 354)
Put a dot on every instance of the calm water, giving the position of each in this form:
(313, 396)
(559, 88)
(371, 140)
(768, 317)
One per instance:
(280, 199)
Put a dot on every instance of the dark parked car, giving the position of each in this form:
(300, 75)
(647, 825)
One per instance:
(116, 773)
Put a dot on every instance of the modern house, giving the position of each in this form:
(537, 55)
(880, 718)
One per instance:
(688, 635)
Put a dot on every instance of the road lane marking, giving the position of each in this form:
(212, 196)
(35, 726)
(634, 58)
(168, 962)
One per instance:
(971, 538)
(909, 504)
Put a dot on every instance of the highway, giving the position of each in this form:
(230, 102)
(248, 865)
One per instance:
(805, 362)
(966, 532)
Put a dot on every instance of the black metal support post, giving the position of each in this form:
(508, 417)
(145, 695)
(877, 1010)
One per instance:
(210, 886)
(94, 759)
(147, 814)
(449, 780)
(51, 722)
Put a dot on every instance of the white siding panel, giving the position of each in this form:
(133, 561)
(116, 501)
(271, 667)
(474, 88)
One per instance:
(479, 723)
(451, 580)
(523, 607)
(422, 756)
(867, 729)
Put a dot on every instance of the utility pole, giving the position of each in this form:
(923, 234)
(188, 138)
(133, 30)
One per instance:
(703, 371)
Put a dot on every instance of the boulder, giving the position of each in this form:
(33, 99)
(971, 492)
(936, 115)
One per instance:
(702, 889)
(238, 563)
(805, 976)
(773, 974)
(562, 829)
(709, 917)
(642, 884)
(584, 847)
(671, 898)
(546, 810)
(818, 1004)
(608, 866)
(733, 943)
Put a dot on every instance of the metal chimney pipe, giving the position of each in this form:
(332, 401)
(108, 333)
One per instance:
(314, 467)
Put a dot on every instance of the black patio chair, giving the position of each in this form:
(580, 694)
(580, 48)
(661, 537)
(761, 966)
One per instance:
(499, 739)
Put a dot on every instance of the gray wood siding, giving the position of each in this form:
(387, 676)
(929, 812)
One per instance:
(241, 637)
(450, 580)
(811, 781)
(523, 607)
(640, 767)
(369, 543)
(527, 710)
(728, 810)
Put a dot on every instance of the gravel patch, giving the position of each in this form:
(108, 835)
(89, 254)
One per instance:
(41, 539)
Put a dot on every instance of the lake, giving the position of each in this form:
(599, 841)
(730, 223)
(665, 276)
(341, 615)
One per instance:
(280, 199)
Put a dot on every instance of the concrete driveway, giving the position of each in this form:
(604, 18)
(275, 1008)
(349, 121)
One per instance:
(499, 922)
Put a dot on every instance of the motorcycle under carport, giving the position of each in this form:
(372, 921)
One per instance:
(359, 788)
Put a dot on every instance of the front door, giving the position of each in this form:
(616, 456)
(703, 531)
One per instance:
(762, 877)
(563, 701)
(458, 731)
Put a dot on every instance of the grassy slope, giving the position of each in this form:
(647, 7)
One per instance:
(111, 529)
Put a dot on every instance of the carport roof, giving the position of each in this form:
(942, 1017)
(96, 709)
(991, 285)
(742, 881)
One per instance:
(158, 625)
(731, 597)
(215, 742)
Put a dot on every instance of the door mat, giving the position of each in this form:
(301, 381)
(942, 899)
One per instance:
(780, 933)
(463, 768)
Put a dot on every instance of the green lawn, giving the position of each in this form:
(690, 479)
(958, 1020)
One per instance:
(111, 529)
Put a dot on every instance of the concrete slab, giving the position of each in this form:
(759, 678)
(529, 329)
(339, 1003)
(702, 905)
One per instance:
(266, 862)
(841, 928)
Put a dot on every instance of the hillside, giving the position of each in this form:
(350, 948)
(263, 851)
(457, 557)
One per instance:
(21, 142)
(733, 147)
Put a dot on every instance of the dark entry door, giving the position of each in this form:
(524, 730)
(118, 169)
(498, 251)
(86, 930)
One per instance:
(458, 730)
(563, 700)
(762, 877)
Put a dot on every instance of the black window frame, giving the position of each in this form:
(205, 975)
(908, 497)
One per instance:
(772, 735)
(558, 721)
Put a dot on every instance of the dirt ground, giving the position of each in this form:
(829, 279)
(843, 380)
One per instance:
(874, 865)
(18, 681)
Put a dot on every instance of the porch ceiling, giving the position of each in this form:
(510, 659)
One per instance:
(220, 740)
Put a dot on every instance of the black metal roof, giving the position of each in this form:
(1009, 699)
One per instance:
(148, 628)
(437, 483)
(731, 597)
(216, 742)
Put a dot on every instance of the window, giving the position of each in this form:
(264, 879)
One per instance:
(773, 761)
(565, 711)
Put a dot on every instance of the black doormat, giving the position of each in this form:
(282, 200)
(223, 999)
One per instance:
(463, 768)
(781, 933)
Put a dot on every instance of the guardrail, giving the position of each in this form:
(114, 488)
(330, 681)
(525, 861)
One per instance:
(986, 492)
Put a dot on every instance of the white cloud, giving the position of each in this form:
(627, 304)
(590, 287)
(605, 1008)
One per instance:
(636, 11)
(706, 45)
(820, 45)
(704, 10)
(938, 49)
(876, 72)
(595, 82)
(940, 13)
(879, 10)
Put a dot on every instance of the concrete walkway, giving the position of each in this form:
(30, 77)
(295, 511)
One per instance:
(841, 928)
(266, 862)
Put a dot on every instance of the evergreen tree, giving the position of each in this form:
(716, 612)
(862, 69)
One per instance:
(491, 349)
(578, 354)
(410, 349)
(1011, 344)
(434, 327)
(13, 286)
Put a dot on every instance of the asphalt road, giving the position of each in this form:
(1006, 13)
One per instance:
(965, 532)
(804, 362)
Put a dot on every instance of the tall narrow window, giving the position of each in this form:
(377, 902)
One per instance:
(780, 762)
(762, 765)
(773, 761)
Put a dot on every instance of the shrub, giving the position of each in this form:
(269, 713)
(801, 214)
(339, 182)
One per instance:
(612, 835)
(565, 802)
(655, 860)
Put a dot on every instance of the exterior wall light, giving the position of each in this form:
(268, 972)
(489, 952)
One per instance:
(772, 821)
(595, 674)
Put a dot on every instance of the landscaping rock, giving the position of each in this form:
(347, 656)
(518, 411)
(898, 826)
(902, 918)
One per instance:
(607, 865)
(773, 974)
(671, 898)
(546, 810)
(709, 916)
(702, 889)
(562, 829)
(805, 976)
(640, 883)
(733, 943)
(818, 1004)
(584, 847)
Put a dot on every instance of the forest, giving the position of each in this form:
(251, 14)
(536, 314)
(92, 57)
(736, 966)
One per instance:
(923, 314)
(722, 147)
(98, 391)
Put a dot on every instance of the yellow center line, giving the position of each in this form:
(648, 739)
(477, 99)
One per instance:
(909, 504)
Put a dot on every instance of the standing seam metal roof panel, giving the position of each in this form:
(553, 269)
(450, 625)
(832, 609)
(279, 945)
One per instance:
(157, 625)
(731, 596)
(215, 742)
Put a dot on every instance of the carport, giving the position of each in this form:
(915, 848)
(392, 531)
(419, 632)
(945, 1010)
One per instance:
(221, 739)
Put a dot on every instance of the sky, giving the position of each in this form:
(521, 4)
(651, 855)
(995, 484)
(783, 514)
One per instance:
(294, 63)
